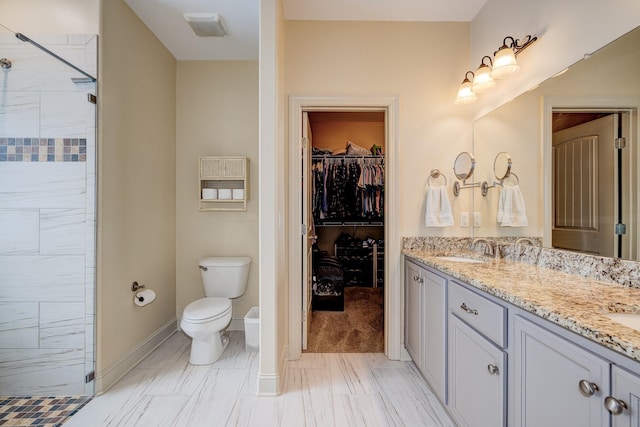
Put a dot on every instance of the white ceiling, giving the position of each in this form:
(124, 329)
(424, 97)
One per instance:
(165, 19)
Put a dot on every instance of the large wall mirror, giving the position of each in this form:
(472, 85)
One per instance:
(562, 138)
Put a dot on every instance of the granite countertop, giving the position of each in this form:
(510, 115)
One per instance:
(571, 301)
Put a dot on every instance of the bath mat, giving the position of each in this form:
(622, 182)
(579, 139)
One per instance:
(39, 411)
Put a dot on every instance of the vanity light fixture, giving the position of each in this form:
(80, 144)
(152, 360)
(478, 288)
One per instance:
(504, 60)
(465, 91)
(482, 80)
(504, 63)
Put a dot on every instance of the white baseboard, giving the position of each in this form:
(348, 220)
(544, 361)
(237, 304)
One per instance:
(271, 384)
(110, 375)
(404, 355)
(268, 385)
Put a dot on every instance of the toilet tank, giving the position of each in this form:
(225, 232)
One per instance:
(224, 276)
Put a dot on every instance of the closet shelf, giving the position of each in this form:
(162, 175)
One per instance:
(377, 223)
(362, 265)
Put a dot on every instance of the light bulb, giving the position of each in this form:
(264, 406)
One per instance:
(482, 80)
(465, 92)
(504, 63)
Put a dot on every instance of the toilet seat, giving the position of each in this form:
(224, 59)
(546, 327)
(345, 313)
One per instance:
(207, 309)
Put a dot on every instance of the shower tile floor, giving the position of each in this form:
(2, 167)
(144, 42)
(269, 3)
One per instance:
(39, 411)
(320, 389)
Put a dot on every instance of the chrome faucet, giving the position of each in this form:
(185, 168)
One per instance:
(489, 245)
(526, 240)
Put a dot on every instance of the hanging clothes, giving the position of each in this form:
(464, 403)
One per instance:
(348, 188)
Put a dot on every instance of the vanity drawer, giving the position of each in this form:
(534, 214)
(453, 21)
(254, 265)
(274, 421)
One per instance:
(478, 312)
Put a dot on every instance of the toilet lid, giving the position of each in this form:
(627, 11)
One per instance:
(206, 309)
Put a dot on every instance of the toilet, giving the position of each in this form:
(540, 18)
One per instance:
(203, 320)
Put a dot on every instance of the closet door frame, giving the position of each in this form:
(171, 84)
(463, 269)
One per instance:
(393, 292)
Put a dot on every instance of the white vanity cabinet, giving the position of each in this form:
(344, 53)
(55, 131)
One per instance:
(624, 400)
(477, 362)
(425, 324)
(507, 366)
(413, 321)
(556, 383)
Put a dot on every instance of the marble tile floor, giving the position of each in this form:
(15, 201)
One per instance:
(320, 389)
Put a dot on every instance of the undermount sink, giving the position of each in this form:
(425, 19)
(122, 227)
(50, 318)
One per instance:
(461, 259)
(630, 320)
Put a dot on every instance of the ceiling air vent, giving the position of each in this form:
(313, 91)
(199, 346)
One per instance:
(206, 24)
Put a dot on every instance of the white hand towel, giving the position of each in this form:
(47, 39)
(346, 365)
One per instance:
(437, 208)
(511, 208)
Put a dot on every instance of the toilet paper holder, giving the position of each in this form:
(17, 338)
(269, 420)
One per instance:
(135, 286)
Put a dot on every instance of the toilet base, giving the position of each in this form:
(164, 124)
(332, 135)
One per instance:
(207, 351)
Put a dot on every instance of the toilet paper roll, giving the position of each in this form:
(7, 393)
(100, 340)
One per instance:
(209, 193)
(238, 194)
(143, 298)
(224, 194)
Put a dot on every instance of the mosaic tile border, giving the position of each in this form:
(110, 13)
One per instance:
(43, 149)
(39, 411)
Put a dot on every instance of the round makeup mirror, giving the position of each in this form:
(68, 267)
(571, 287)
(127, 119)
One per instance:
(464, 165)
(502, 165)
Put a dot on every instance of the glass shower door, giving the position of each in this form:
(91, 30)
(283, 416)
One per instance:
(47, 217)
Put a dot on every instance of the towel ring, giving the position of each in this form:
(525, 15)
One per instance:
(514, 175)
(435, 174)
(484, 188)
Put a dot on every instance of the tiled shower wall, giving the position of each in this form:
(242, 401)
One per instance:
(47, 217)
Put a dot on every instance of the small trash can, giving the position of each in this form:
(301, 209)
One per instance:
(252, 329)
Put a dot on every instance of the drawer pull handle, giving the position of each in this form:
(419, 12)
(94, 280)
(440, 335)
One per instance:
(467, 309)
(615, 406)
(493, 369)
(418, 279)
(587, 388)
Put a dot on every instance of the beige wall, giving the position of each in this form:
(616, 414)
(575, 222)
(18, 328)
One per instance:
(50, 16)
(333, 132)
(136, 204)
(217, 115)
(414, 61)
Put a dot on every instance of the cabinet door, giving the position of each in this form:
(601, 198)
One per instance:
(625, 388)
(547, 375)
(413, 313)
(234, 168)
(434, 315)
(211, 167)
(477, 378)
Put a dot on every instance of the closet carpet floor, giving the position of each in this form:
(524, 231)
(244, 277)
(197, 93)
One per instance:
(357, 329)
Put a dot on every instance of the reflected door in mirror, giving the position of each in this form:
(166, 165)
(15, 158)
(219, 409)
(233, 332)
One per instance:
(585, 187)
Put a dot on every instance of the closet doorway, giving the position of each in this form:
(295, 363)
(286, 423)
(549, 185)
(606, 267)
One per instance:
(344, 207)
(302, 231)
